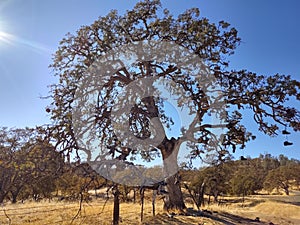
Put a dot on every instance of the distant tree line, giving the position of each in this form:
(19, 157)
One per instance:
(32, 168)
(243, 177)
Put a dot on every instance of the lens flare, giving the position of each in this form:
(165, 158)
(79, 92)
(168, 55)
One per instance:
(14, 40)
(6, 38)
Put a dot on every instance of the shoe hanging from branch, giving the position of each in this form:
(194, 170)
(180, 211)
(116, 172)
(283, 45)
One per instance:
(286, 133)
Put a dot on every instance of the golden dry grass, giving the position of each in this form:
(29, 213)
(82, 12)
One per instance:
(37, 213)
(278, 209)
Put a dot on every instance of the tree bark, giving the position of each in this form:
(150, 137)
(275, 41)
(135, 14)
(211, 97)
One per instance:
(193, 196)
(153, 201)
(142, 192)
(286, 189)
(2, 197)
(14, 198)
(216, 196)
(201, 194)
(174, 198)
(14, 194)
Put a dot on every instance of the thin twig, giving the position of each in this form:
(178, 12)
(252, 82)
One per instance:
(80, 207)
(107, 198)
(8, 218)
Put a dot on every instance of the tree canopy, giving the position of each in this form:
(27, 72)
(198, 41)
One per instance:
(263, 96)
(29, 164)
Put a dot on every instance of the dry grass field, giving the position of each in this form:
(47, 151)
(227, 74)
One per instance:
(277, 209)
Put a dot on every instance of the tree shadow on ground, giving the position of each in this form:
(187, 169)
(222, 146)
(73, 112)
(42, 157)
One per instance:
(231, 219)
(246, 203)
(288, 202)
(202, 217)
(285, 199)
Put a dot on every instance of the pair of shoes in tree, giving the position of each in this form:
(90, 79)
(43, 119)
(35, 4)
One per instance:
(286, 143)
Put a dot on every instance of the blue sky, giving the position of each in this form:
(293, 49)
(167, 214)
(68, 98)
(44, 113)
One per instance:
(270, 31)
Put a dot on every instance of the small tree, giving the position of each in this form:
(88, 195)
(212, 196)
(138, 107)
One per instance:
(46, 167)
(243, 183)
(215, 180)
(282, 178)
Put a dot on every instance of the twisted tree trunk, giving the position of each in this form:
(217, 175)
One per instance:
(174, 198)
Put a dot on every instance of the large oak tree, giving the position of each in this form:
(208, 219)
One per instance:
(264, 97)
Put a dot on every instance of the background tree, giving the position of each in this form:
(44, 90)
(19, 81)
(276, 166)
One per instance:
(28, 162)
(283, 178)
(46, 166)
(14, 170)
(269, 162)
(216, 180)
(243, 177)
(76, 180)
(263, 96)
(243, 182)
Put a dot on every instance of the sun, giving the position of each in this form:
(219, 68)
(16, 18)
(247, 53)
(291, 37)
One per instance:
(9, 39)
(4, 36)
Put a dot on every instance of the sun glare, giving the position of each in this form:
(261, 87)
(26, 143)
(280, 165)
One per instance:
(5, 37)
(8, 39)
(13, 40)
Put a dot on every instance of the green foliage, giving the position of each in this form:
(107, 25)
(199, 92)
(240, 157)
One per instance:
(29, 164)
(76, 180)
(283, 177)
(247, 177)
(31, 168)
(243, 182)
(212, 181)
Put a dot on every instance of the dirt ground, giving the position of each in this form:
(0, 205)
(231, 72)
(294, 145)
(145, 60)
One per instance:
(258, 209)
